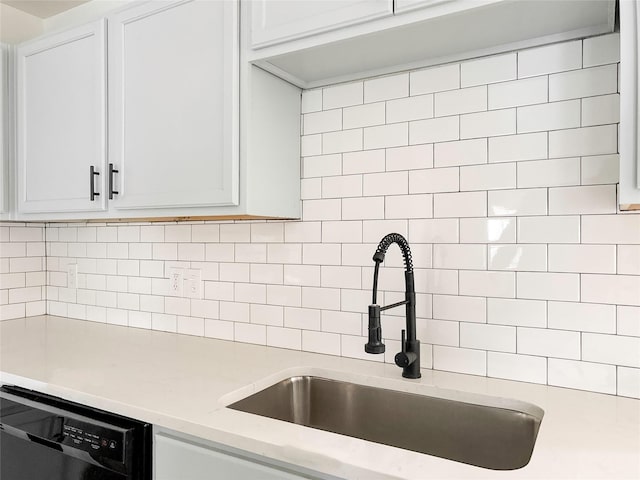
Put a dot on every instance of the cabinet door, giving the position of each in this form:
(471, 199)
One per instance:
(176, 459)
(629, 106)
(278, 21)
(174, 104)
(61, 121)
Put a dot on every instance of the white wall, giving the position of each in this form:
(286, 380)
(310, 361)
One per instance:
(500, 171)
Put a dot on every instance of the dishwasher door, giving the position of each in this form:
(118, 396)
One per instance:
(41, 441)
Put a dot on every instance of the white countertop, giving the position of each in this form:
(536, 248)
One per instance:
(182, 383)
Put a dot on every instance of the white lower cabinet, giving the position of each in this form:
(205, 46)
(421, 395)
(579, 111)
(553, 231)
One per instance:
(189, 459)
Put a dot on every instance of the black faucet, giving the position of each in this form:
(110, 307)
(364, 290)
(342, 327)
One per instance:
(409, 357)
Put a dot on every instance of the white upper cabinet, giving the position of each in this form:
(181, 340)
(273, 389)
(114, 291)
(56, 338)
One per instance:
(173, 94)
(277, 21)
(629, 105)
(61, 122)
(297, 45)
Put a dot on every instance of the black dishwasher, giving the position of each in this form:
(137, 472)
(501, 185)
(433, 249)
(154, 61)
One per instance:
(47, 438)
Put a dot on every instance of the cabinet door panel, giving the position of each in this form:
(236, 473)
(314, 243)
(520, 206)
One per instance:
(175, 459)
(278, 21)
(61, 121)
(174, 104)
(4, 124)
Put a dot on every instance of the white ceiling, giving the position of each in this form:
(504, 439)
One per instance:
(43, 8)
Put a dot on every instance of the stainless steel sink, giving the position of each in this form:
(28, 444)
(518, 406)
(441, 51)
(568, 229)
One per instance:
(488, 432)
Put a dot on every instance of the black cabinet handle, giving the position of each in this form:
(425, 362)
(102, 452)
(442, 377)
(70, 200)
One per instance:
(112, 192)
(92, 187)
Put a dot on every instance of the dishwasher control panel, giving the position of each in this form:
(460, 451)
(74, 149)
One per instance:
(92, 438)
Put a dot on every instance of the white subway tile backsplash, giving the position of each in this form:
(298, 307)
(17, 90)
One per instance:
(549, 116)
(583, 83)
(487, 230)
(549, 173)
(601, 110)
(460, 360)
(593, 199)
(414, 157)
(530, 146)
(460, 257)
(488, 124)
(466, 100)
(616, 289)
(530, 201)
(582, 258)
(560, 229)
(488, 177)
(250, 333)
(582, 317)
(497, 68)
(384, 136)
(628, 321)
(321, 342)
(374, 160)
(311, 145)
(549, 286)
(326, 209)
(342, 232)
(434, 231)
(628, 259)
(496, 338)
(343, 95)
(516, 93)
(290, 338)
(521, 313)
(467, 204)
(599, 169)
(363, 162)
(518, 257)
(549, 343)
(629, 382)
(549, 59)
(311, 101)
(321, 122)
(434, 130)
(408, 206)
(435, 79)
(601, 50)
(487, 284)
(410, 108)
(441, 332)
(613, 229)
(464, 152)
(342, 141)
(459, 308)
(582, 375)
(523, 368)
(363, 115)
(386, 88)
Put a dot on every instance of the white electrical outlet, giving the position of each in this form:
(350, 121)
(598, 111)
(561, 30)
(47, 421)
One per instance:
(72, 276)
(176, 276)
(193, 283)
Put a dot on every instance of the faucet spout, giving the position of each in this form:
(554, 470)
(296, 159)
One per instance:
(409, 357)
